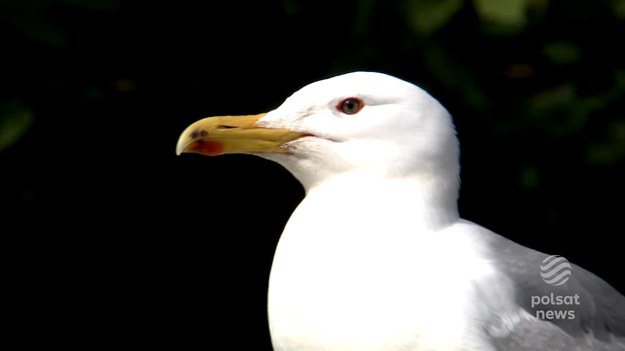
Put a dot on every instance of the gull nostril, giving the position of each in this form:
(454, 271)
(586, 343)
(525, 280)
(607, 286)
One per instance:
(223, 126)
(196, 133)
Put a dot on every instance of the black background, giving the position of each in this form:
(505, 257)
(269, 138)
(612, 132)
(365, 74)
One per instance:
(113, 240)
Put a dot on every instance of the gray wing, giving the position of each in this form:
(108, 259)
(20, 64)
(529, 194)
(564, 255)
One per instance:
(594, 320)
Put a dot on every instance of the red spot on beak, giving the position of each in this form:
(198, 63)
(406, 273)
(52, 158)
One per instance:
(210, 148)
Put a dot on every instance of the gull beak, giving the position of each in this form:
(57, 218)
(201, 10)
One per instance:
(220, 135)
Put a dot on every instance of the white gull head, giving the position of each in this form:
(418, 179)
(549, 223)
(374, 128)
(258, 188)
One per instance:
(366, 122)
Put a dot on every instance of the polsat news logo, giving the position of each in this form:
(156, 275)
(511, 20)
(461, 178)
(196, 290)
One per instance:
(555, 271)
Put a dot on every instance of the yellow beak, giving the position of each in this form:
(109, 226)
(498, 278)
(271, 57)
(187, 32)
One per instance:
(214, 136)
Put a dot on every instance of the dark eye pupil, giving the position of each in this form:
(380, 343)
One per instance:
(351, 106)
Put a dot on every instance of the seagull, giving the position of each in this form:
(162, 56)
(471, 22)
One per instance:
(376, 256)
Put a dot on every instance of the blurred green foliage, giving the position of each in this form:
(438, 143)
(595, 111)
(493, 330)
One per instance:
(15, 119)
(557, 108)
(428, 16)
(562, 52)
(502, 15)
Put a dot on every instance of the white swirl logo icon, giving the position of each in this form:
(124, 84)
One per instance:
(555, 270)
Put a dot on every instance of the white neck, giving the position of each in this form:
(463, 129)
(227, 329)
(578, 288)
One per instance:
(430, 202)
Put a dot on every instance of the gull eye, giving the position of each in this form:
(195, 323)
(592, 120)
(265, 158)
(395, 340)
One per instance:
(350, 106)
